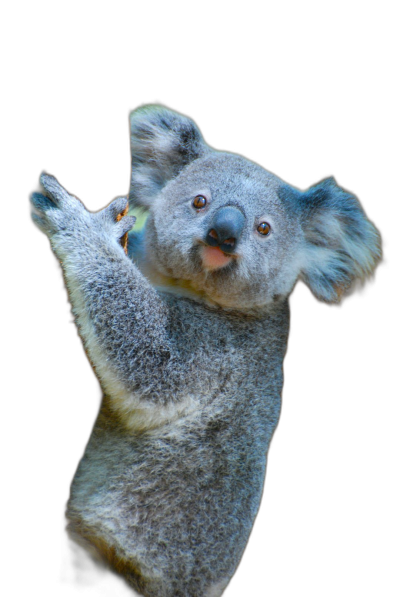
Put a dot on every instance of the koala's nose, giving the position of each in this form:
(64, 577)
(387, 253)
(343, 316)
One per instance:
(226, 228)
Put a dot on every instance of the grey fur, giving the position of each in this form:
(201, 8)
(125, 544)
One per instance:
(189, 358)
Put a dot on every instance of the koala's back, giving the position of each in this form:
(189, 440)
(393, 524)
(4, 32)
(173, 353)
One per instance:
(172, 507)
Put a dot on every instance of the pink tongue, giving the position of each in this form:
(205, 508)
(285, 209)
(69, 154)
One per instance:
(213, 258)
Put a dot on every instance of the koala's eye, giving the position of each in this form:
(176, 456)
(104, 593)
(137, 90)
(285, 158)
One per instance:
(199, 202)
(264, 228)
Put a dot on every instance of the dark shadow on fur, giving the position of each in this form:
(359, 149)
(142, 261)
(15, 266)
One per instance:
(84, 578)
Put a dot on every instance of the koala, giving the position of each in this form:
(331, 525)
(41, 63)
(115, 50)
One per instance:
(187, 331)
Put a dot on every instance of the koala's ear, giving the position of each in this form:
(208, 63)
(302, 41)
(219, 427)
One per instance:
(341, 244)
(162, 143)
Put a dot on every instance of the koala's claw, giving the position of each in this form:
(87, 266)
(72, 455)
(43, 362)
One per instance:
(117, 208)
(121, 223)
(41, 204)
(125, 225)
(53, 189)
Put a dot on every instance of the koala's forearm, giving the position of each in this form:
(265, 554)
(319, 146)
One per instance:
(121, 319)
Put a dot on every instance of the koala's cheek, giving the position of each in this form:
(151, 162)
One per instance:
(213, 258)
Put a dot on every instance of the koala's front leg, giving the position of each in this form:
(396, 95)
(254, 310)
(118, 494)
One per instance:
(121, 319)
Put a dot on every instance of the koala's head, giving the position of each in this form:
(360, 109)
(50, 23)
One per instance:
(232, 230)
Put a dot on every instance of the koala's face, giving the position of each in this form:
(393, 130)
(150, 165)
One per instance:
(221, 225)
(232, 230)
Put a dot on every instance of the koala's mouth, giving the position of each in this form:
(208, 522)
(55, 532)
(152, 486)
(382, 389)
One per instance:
(213, 258)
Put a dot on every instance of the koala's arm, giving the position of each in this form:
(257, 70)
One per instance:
(121, 319)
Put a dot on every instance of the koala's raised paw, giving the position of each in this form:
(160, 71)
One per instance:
(68, 223)
(115, 219)
(56, 210)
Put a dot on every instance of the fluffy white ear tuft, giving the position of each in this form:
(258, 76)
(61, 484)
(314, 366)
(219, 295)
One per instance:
(162, 143)
(341, 244)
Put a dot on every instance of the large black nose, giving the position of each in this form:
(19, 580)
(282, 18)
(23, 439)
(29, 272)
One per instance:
(225, 230)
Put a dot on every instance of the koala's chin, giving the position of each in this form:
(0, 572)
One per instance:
(216, 281)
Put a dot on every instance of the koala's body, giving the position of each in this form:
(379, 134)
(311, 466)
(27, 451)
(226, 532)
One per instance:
(187, 334)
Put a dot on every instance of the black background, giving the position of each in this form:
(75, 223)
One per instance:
(326, 515)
